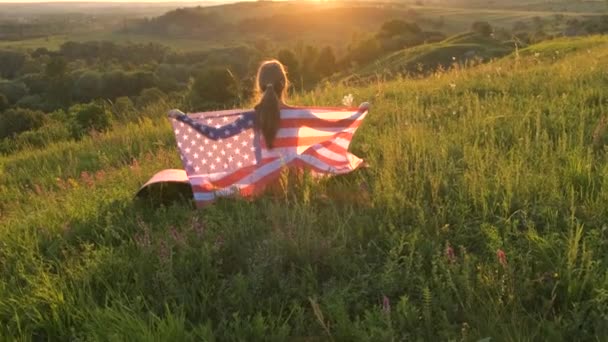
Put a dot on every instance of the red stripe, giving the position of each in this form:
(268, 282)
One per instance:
(230, 179)
(329, 109)
(305, 141)
(329, 161)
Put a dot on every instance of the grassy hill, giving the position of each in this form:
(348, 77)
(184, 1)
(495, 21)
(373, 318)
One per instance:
(483, 215)
(460, 49)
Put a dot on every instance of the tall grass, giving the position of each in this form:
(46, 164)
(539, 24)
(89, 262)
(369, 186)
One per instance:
(483, 215)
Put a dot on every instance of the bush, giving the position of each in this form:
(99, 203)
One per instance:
(15, 121)
(49, 133)
(87, 117)
(3, 103)
(149, 96)
(123, 109)
(483, 28)
(397, 28)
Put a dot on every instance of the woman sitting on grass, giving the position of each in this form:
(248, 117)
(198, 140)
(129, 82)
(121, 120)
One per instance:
(316, 138)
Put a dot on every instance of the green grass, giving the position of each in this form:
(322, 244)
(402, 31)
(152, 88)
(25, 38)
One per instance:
(497, 157)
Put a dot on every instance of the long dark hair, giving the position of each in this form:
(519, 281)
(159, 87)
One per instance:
(271, 84)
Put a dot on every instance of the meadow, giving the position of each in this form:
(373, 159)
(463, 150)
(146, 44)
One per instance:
(482, 217)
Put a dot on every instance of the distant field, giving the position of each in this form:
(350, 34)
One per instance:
(455, 20)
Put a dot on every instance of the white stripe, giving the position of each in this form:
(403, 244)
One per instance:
(340, 158)
(324, 166)
(304, 132)
(203, 196)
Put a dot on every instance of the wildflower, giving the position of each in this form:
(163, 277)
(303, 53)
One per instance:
(177, 236)
(134, 165)
(348, 100)
(453, 85)
(454, 58)
(449, 253)
(100, 175)
(386, 305)
(537, 54)
(198, 228)
(142, 240)
(37, 189)
(163, 252)
(502, 257)
(86, 178)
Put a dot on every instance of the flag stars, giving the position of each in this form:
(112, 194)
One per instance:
(195, 155)
(187, 149)
(217, 159)
(204, 161)
(230, 159)
(237, 151)
(214, 146)
(212, 166)
(239, 164)
(225, 119)
(223, 152)
(197, 169)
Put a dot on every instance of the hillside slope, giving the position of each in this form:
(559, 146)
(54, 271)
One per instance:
(483, 215)
(460, 49)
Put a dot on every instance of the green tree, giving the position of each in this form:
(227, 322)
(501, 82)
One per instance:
(290, 61)
(10, 63)
(326, 62)
(15, 121)
(212, 88)
(13, 90)
(87, 86)
(56, 68)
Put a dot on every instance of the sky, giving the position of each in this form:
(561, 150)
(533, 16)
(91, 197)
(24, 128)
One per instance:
(113, 1)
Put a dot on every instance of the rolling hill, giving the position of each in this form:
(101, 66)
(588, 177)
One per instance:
(423, 59)
(483, 216)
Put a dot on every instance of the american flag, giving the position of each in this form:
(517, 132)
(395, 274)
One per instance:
(224, 155)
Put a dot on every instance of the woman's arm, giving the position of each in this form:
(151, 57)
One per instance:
(244, 122)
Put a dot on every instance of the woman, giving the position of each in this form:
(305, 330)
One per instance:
(272, 84)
